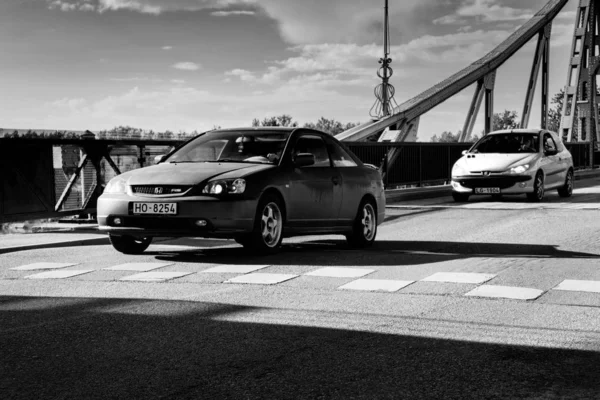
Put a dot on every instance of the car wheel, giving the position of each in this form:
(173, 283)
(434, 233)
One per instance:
(538, 189)
(567, 189)
(460, 197)
(268, 227)
(129, 244)
(364, 229)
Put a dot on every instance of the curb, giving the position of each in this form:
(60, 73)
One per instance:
(70, 242)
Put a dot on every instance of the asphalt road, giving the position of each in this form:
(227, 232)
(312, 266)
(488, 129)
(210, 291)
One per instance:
(432, 330)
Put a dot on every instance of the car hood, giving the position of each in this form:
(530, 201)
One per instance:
(494, 162)
(189, 173)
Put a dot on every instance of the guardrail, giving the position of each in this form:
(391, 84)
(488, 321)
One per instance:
(51, 178)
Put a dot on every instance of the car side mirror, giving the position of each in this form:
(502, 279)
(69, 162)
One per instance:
(160, 158)
(464, 152)
(304, 160)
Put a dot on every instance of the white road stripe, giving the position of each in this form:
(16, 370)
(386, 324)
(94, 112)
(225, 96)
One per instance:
(234, 269)
(155, 276)
(42, 266)
(505, 292)
(338, 272)
(262, 279)
(459, 277)
(579, 286)
(140, 267)
(375, 285)
(59, 274)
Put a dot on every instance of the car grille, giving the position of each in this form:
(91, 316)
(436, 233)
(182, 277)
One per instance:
(157, 190)
(502, 182)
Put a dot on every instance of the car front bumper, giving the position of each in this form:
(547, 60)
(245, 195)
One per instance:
(507, 184)
(223, 218)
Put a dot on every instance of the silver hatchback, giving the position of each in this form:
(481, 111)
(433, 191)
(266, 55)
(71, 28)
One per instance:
(518, 161)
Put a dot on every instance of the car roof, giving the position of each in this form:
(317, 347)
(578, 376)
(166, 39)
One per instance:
(504, 131)
(258, 128)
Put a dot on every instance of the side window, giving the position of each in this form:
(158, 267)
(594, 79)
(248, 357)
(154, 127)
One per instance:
(339, 156)
(316, 146)
(549, 142)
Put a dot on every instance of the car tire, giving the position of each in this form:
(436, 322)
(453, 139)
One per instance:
(460, 197)
(268, 227)
(129, 244)
(364, 229)
(567, 189)
(538, 189)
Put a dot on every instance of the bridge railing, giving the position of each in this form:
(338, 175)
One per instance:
(428, 164)
(48, 178)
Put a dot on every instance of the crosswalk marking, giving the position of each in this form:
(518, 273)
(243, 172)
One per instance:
(459, 277)
(579, 286)
(374, 285)
(59, 274)
(506, 292)
(42, 266)
(235, 269)
(140, 267)
(339, 272)
(262, 279)
(155, 276)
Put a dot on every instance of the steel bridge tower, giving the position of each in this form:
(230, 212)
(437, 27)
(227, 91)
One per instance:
(580, 106)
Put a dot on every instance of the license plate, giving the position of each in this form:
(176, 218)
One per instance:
(487, 191)
(154, 208)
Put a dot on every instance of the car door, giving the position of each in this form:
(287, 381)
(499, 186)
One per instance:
(551, 161)
(354, 181)
(315, 193)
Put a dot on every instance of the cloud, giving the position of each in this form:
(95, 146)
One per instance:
(486, 11)
(184, 108)
(343, 65)
(187, 66)
(300, 22)
(231, 13)
(167, 47)
(145, 6)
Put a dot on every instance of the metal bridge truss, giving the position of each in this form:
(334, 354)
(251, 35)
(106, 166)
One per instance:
(580, 107)
(400, 125)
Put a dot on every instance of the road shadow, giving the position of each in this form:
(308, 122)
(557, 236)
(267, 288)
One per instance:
(393, 252)
(57, 348)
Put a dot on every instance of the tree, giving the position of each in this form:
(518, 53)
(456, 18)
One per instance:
(281, 120)
(446, 137)
(555, 111)
(506, 120)
(330, 126)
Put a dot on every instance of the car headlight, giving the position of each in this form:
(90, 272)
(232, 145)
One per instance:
(225, 186)
(519, 169)
(458, 170)
(116, 185)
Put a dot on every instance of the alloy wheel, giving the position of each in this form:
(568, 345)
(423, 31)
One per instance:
(270, 225)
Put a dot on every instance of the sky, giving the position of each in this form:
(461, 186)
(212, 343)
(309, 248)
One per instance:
(185, 65)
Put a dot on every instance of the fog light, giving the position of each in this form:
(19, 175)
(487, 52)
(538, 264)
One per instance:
(523, 184)
(117, 221)
(202, 223)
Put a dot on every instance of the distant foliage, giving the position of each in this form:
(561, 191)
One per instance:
(32, 134)
(506, 120)
(281, 120)
(326, 125)
(330, 126)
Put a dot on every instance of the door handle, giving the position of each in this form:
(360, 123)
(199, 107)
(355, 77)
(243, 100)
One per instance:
(335, 180)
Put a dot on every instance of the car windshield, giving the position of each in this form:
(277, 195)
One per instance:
(508, 143)
(260, 147)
